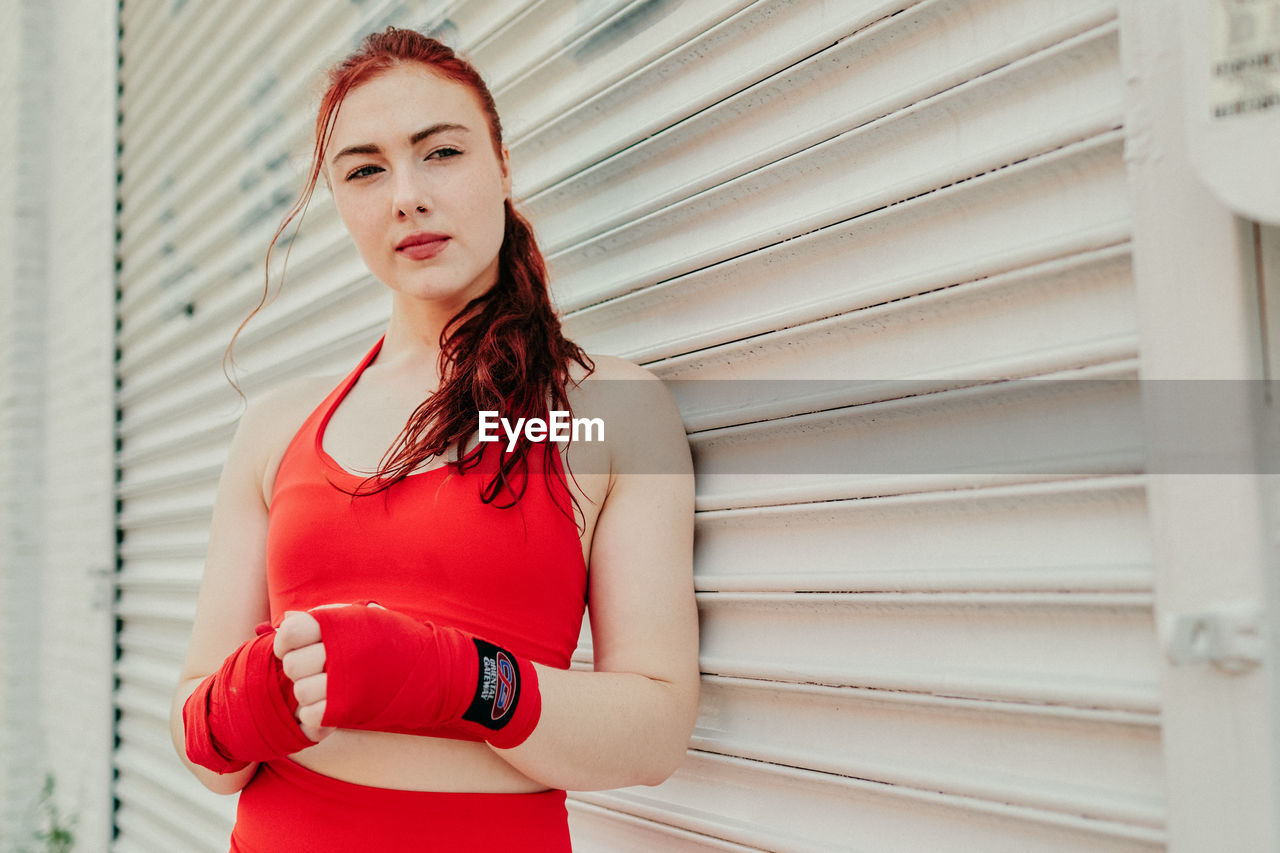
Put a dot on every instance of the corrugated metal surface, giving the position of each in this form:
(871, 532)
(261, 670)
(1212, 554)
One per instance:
(902, 651)
(214, 111)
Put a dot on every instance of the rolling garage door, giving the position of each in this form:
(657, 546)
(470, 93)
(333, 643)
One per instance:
(912, 637)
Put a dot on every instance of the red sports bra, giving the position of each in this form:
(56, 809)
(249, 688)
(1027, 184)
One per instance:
(428, 546)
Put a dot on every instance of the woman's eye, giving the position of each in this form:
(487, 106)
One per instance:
(363, 172)
(441, 153)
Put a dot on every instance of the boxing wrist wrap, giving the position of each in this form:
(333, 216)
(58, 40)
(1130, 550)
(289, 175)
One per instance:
(244, 712)
(390, 673)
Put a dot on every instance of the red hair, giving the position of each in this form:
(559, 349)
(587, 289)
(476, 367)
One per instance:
(504, 351)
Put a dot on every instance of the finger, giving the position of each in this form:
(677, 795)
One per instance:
(316, 733)
(311, 715)
(298, 629)
(311, 689)
(303, 662)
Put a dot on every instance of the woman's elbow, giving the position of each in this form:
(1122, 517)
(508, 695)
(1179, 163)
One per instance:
(668, 756)
(218, 783)
(663, 766)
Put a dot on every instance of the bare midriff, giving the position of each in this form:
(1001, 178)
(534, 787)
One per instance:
(414, 763)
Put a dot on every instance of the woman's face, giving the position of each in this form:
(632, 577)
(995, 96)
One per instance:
(413, 171)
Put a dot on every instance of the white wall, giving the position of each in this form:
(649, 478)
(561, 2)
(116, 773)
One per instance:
(1202, 299)
(78, 644)
(22, 263)
(57, 106)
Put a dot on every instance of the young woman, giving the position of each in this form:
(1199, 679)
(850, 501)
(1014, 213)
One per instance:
(380, 653)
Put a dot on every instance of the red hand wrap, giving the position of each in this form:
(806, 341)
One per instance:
(390, 673)
(244, 712)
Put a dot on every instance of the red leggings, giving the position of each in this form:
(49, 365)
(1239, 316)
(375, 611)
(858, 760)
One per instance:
(287, 808)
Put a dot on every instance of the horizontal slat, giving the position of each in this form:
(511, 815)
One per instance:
(466, 23)
(158, 632)
(538, 30)
(337, 286)
(1085, 650)
(145, 710)
(1031, 321)
(163, 805)
(229, 221)
(170, 131)
(155, 675)
(163, 552)
(845, 178)
(197, 511)
(1086, 535)
(1013, 753)
(982, 435)
(1077, 93)
(185, 559)
(695, 89)
(201, 474)
(159, 478)
(141, 22)
(600, 830)
(710, 67)
(1075, 309)
(1051, 207)
(162, 613)
(785, 809)
(355, 303)
(334, 276)
(176, 562)
(148, 73)
(205, 406)
(602, 55)
(161, 129)
(155, 466)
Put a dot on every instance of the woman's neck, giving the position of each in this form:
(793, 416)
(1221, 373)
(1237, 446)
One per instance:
(413, 343)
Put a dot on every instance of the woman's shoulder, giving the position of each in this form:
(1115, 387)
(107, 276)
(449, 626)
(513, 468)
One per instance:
(273, 416)
(273, 408)
(609, 367)
(641, 418)
(614, 387)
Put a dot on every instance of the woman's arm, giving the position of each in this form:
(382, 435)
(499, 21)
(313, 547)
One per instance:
(233, 591)
(629, 721)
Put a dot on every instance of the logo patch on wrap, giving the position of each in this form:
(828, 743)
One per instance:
(497, 688)
(506, 686)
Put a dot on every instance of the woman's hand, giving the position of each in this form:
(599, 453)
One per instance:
(301, 653)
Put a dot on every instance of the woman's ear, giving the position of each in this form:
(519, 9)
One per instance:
(505, 163)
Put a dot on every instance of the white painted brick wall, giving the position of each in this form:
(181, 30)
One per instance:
(21, 309)
(78, 644)
(57, 199)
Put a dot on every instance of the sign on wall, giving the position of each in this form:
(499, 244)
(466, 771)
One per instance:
(1231, 65)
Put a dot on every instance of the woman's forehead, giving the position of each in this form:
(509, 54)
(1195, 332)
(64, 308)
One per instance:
(400, 101)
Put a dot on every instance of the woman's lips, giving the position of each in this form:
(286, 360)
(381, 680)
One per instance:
(419, 247)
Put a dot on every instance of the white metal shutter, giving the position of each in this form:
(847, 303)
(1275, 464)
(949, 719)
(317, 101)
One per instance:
(727, 189)
(862, 190)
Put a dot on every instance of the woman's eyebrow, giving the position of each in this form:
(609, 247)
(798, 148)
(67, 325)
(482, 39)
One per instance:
(414, 139)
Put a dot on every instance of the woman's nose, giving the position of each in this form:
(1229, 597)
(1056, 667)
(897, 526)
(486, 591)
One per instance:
(410, 197)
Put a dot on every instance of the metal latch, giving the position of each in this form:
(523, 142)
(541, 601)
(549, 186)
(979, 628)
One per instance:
(1229, 637)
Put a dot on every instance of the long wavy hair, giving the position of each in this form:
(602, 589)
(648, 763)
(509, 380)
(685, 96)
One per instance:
(504, 351)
